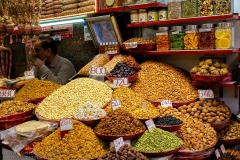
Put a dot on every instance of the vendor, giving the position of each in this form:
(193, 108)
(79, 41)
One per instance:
(48, 65)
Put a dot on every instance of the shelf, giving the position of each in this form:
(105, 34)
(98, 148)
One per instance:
(128, 8)
(187, 20)
(222, 84)
(55, 30)
(213, 51)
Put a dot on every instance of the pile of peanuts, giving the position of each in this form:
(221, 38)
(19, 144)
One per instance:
(66, 100)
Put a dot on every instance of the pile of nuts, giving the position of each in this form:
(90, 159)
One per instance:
(211, 111)
(13, 107)
(161, 81)
(65, 101)
(139, 40)
(36, 89)
(232, 131)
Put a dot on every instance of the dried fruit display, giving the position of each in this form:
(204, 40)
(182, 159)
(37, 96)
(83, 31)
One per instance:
(177, 40)
(232, 131)
(121, 70)
(222, 7)
(207, 37)
(191, 38)
(174, 9)
(189, 8)
(131, 61)
(205, 8)
(223, 36)
(163, 39)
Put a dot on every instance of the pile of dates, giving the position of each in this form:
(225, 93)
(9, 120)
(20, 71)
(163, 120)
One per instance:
(122, 70)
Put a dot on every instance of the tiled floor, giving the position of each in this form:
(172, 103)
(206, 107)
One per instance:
(9, 155)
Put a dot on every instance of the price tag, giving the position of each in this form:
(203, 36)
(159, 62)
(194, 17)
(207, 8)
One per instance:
(29, 74)
(150, 124)
(217, 153)
(131, 45)
(118, 143)
(205, 93)
(223, 149)
(144, 107)
(65, 126)
(117, 82)
(115, 104)
(166, 103)
(97, 71)
(7, 93)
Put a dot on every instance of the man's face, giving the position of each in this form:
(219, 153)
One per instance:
(39, 51)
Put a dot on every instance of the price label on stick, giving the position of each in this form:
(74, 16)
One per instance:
(150, 124)
(223, 149)
(166, 103)
(29, 74)
(118, 143)
(115, 104)
(144, 107)
(217, 153)
(205, 93)
(7, 93)
(117, 82)
(65, 126)
(97, 71)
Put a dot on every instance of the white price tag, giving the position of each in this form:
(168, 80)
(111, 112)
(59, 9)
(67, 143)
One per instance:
(131, 45)
(7, 93)
(223, 149)
(205, 93)
(166, 103)
(144, 107)
(118, 143)
(29, 74)
(97, 71)
(150, 124)
(176, 32)
(115, 104)
(117, 82)
(66, 124)
(217, 153)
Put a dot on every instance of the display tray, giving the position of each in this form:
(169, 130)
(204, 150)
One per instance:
(209, 78)
(229, 142)
(227, 78)
(131, 47)
(221, 125)
(161, 154)
(90, 122)
(17, 115)
(40, 118)
(130, 78)
(145, 119)
(125, 137)
(10, 123)
(174, 104)
(169, 128)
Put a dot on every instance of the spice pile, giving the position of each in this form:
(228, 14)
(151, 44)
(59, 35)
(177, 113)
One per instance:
(119, 122)
(232, 131)
(125, 152)
(157, 140)
(36, 89)
(65, 101)
(53, 147)
(168, 120)
(122, 70)
(161, 81)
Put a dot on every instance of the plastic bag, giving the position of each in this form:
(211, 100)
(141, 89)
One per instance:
(98, 61)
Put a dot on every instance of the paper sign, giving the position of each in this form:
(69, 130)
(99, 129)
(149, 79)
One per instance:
(223, 148)
(205, 93)
(7, 93)
(118, 143)
(131, 45)
(115, 104)
(150, 124)
(117, 82)
(166, 103)
(144, 107)
(97, 71)
(65, 126)
(29, 74)
(217, 153)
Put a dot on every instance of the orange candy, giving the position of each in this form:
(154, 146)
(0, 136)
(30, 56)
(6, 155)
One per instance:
(163, 42)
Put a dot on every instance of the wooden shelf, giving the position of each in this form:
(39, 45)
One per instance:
(221, 84)
(187, 20)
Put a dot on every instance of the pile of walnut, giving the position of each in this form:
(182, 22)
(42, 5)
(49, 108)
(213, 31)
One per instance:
(210, 67)
(210, 111)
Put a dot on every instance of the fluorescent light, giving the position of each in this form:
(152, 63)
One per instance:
(61, 22)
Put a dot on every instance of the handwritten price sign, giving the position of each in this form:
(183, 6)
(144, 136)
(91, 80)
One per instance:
(150, 124)
(7, 93)
(118, 143)
(166, 103)
(115, 104)
(97, 71)
(223, 149)
(65, 126)
(205, 93)
(29, 74)
(217, 153)
(117, 82)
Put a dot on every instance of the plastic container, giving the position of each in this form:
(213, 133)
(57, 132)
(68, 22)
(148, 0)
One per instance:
(163, 39)
(223, 35)
(189, 8)
(207, 36)
(223, 7)
(174, 9)
(143, 16)
(191, 37)
(162, 14)
(134, 16)
(205, 8)
(177, 38)
(153, 15)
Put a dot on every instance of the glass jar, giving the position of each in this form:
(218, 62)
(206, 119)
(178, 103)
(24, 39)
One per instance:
(134, 16)
(222, 7)
(162, 14)
(191, 37)
(177, 38)
(189, 8)
(163, 39)
(143, 17)
(152, 15)
(207, 36)
(223, 35)
(205, 8)
(174, 9)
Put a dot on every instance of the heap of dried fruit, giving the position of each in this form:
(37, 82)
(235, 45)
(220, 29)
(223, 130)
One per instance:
(223, 36)
(232, 131)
